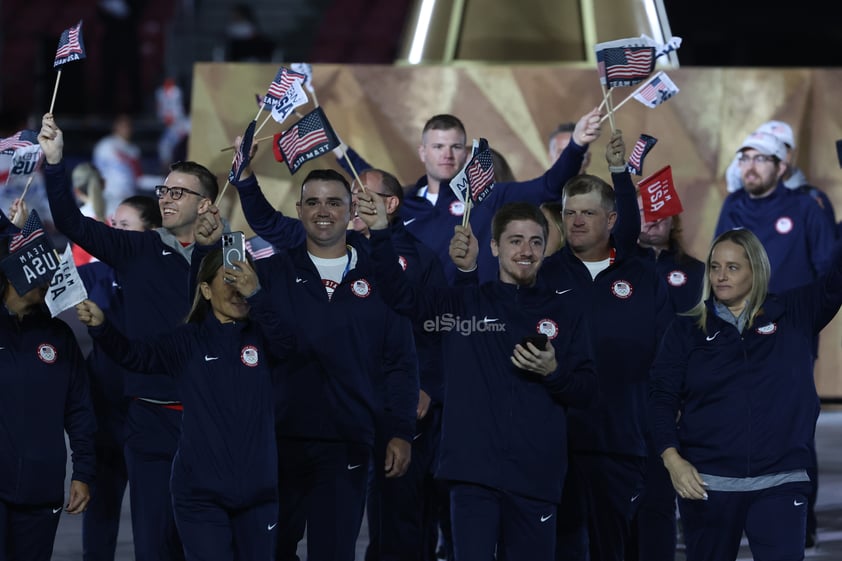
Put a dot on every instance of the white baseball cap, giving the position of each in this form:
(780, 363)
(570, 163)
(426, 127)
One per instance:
(780, 129)
(765, 143)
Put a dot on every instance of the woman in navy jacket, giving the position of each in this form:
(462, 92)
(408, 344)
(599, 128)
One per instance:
(736, 371)
(224, 475)
(43, 394)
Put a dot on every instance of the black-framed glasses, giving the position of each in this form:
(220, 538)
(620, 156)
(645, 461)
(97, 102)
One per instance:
(175, 192)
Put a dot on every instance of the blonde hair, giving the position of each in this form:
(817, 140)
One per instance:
(88, 181)
(761, 272)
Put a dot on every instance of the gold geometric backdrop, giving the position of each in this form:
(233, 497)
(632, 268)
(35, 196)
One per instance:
(380, 110)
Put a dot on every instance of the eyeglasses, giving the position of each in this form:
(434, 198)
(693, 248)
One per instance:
(175, 192)
(757, 159)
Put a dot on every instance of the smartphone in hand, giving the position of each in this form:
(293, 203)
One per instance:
(233, 249)
(538, 339)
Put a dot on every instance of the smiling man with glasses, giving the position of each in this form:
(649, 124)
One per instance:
(153, 269)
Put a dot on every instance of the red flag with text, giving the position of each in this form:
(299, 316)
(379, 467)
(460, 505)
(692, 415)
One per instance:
(658, 196)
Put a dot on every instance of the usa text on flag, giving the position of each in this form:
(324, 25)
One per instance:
(638, 153)
(656, 91)
(20, 139)
(309, 138)
(659, 196)
(66, 287)
(70, 46)
(32, 260)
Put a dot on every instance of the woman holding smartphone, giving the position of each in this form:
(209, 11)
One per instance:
(224, 474)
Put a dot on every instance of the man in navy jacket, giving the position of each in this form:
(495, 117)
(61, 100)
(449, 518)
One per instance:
(628, 308)
(431, 209)
(504, 431)
(396, 523)
(153, 268)
(354, 372)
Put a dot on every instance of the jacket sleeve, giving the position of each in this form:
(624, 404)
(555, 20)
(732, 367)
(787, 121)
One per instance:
(817, 303)
(400, 294)
(400, 365)
(79, 419)
(821, 238)
(627, 228)
(548, 187)
(666, 380)
(167, 353)
(110, 245)
(574, 383)
(281, 231)
(273, 318)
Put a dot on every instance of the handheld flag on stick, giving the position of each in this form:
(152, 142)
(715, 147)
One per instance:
(306, 70)
(20, 139)
(654, 92)
(243, 156)
(284, 94)
(309, 138)
(659, 196)
(624, 62)
(476, 180)
(66, 287)
(627, 62)
(241, 159)
(32, 261)
(659, 89)
(70, 48)
(642, 147)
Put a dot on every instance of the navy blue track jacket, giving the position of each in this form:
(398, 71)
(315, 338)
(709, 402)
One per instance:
(502, 427)
(224, 371)
(421, 265)
(684, 277)
(628, 309)
(748, 401)
(153, 269)
(792, 228)
(354, 363)
(43, 393)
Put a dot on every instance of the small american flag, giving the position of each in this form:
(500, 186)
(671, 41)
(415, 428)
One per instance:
(20, 139)
(659, 89)
(298, 144)
(243, 155)
(481, 174)
(283, 81)
(70, 44)
(259, 248)
(641, 148)
(31, 230)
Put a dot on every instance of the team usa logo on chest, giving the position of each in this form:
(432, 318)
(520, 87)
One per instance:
(47, 353)
(249, 356)
(361, 288)
(784, 225)
(621, 289)
(677, 278)
(767, 329)
(548, 327)
(402, 262)
(457, 208)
